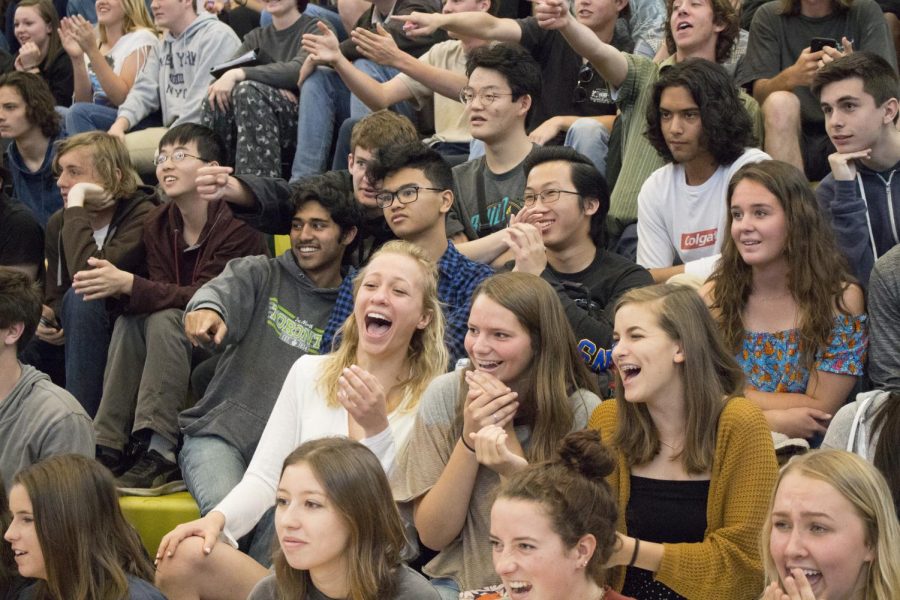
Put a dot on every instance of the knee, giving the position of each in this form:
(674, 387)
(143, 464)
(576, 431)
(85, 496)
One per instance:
(245, 92)
(781, 109)
(585, 129)
(179, 572)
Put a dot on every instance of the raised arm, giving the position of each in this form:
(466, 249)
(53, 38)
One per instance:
(466, 24)
(609, 62)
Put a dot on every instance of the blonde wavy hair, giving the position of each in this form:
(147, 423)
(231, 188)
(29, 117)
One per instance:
(136, 17)
(427, 355)
(866, 489)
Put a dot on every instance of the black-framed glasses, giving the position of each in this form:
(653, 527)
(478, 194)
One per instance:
(406, 195)
(177, 156)
(585, 76)
(547, 196)
(487, 96)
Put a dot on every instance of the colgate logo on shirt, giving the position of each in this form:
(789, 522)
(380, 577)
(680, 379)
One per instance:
(698, 239)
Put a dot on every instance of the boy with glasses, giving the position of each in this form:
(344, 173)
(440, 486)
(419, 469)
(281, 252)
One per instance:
(188, 242)
(415, 195)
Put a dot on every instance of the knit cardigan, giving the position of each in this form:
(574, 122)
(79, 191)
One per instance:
(727, 563)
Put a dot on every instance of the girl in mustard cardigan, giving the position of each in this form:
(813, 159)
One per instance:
(696, 464)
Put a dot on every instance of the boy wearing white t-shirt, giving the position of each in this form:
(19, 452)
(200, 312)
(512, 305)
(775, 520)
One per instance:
(698, 123)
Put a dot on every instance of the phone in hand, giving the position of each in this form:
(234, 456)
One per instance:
(817, 44)
(49, 324)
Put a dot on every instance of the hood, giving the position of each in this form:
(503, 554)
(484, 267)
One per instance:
(203, 20)
(9, 407)
(288, 264)
(872, 401)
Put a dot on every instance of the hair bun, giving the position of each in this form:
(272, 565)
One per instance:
(584, 452)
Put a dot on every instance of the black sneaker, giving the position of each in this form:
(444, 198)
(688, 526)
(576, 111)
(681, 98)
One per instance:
(112, 459)
(151, 475)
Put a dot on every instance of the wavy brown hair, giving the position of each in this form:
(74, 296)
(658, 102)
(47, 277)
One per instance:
(817, 271)
(356, 485)
(725, 14)
(109, 158)
(556, 370)
(48, 14)
(710, 376)
(427, 356)
(88, 546)
(571, 489)
(8, 567)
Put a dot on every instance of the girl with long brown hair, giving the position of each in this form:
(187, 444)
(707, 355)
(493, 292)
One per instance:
(785, 301)
(524, 389)
(37, 30)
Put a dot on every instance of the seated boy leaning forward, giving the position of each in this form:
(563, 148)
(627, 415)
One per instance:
(188, 242)
(37, 418)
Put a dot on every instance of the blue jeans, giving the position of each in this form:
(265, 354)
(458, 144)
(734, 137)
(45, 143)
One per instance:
(325, 103)
(87, 116)
(211, 467)
(446, 587)
(88, 331)
(316, 12)
(590, 138)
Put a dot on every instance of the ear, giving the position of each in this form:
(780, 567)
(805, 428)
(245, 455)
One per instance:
(620, 5)
(350, 160)
(425, 320)
(12, 333)
(524, 104)
(348, 236)
(591, 205)
(584, 549)
(718, 26)
(446, 201)
(890, 109)
(484, 5)
(213, 163)
(679, 354)
(118, 174)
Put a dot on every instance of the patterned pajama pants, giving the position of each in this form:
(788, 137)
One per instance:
(259, 124)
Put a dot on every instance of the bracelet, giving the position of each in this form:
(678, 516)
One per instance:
(462, 438)
(637, 545)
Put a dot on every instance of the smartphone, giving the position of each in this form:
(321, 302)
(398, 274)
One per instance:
(49, 324)
(817, 44)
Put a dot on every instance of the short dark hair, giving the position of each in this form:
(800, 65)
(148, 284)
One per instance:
(20, 302)
(40, 106)
(514, 63)
(878, 77)
(209, 144)
(415, 155)
(588, 181)
(727, 127)
(724, 14)
(345, 211)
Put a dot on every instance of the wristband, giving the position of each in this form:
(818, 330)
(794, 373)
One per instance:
(462, 438)
(637, 545)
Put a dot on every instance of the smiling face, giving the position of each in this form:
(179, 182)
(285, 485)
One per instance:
(564, 223)
(853, 121)
(494, 122)
(693, 27)
(13, 119)
(76, 166)
(427, 212)
(317, 242)
(279, 8)
(816, 529)
(389, 306)
(178, 178)
(313, 534)
(22, 535)
(109, 12)
(529, 556)
(646, 357)
(682, 126)
(31, 27)
(758, 224)
(174, 15)
(497, 342)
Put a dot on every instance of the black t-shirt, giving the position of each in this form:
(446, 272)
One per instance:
(560, 66)
(21, 237)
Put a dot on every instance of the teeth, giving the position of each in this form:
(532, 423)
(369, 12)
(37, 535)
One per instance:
(307, 248)
(519, 586)
(488, 365)
(375, 315)
(168, 179)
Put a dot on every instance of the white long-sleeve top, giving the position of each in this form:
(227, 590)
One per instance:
(300, 414)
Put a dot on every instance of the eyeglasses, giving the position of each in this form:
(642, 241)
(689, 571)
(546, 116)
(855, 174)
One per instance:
(487, 97)
(406, 195)
(585, 76)
(547, 196)
(177, 156)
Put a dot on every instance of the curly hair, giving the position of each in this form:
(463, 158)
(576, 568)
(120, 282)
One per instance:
(724, 14)
(727, 127)
(40, 107)
(817, 271)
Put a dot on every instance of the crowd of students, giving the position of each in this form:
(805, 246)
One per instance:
(562, 291)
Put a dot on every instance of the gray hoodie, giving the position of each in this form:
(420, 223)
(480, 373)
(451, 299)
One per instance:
(274, 315)
(851, 427)
(176, 75)
(37, 420)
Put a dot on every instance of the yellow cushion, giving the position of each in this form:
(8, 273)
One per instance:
(156, 516)
(282, 243)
